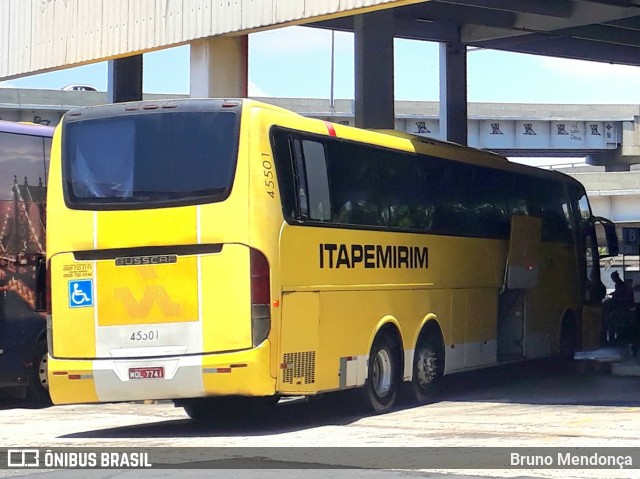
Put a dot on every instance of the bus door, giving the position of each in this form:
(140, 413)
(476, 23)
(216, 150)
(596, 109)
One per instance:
(588, 257)
(521, 275)
(594, 291)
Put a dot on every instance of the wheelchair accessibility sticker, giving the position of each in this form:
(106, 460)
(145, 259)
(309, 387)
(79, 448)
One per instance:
(80, 293)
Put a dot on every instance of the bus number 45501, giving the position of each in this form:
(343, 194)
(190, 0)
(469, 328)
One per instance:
(144, 335)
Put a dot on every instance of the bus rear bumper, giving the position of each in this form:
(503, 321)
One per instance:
(244, 373)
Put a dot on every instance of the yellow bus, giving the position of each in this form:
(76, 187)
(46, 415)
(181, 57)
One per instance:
(201, 250)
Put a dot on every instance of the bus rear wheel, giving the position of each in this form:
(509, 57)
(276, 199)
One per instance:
(426, 371)
(381, 386)
(38, 389)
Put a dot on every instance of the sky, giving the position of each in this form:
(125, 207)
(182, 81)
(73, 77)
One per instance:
(295, 62)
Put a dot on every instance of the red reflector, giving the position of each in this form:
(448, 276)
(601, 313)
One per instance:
(284, 366)
(330, 128)
(74, 376)
(530, 267)
(260, 287)
(223, 370)
(238, 365)
(60, 373)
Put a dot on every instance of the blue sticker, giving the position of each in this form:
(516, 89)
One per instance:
(81, 293)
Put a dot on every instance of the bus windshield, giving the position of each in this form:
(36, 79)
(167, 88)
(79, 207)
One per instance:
(144, 160)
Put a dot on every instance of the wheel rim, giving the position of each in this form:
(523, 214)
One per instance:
(42, 372)
(382, 373)
(426, 367)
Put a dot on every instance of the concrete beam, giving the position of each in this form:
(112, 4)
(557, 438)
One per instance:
(219, 67)
(374, 82)
(557, 8)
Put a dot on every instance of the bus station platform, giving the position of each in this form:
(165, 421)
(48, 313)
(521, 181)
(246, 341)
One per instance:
(618, 361)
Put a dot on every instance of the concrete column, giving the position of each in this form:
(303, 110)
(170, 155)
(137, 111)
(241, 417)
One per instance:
(374, 95)
(453, 92)
(612, 160)
(219, 67)
(125, 79)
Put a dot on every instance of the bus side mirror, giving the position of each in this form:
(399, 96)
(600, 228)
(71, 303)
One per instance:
(611, 236)
(41, 305)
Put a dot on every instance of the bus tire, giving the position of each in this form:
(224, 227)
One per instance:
(427, 370)
(568, 341)
(383, 377)
(38, 389)
(200, 410)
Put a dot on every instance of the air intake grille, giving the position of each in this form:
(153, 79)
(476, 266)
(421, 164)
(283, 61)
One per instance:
(299, 366)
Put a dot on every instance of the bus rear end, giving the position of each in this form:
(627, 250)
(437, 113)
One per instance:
(156, 291)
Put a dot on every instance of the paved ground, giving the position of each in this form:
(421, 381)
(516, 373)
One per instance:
(534, 405)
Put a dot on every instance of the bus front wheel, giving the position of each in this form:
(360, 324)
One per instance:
(568, 342)
(381, 386)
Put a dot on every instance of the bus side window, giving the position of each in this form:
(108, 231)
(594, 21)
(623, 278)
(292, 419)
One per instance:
(318, 199)
(353, 184)
(300, 180)
(403, 202)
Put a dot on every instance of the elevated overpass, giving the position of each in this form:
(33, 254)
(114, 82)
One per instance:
(526, 130)
(604, 134)
(39, 35)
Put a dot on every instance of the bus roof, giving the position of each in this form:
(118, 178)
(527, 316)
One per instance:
(419, 144)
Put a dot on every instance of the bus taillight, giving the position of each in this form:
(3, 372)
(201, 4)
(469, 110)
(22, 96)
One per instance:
(260, 297)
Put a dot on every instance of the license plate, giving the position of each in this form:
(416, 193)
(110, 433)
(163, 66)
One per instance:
(146, 373)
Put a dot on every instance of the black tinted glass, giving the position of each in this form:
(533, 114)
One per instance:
(23, 160)
(150, 159)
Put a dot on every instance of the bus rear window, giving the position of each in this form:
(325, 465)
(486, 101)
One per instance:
(150, 160)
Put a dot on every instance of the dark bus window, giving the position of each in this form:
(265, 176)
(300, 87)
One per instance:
(376, 187)
(403, 198)
(317, 181)
(553, 205)
(447, 182)
(283, 157)
(23, 159)
(353, 184)
(150, 160)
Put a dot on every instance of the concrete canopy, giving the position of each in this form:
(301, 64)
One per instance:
(44, 35)
(597, 30)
